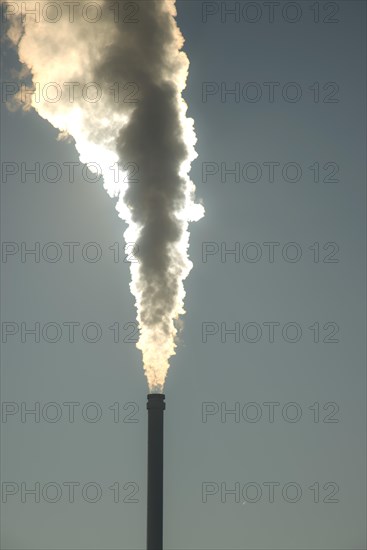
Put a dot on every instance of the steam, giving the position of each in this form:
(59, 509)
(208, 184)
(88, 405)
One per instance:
(139, 120)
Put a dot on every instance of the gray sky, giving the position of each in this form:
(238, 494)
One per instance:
(292, 294)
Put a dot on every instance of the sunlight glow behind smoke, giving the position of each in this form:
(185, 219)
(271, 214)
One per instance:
(153, 132)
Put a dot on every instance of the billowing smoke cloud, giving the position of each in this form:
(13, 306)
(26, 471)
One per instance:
(133, 115)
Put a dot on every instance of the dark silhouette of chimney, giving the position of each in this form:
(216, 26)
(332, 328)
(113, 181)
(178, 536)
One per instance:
(155, 406)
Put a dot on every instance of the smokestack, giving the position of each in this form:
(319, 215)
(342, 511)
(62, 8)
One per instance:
(155, 406)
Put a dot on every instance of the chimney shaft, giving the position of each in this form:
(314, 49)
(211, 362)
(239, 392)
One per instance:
(155, 406)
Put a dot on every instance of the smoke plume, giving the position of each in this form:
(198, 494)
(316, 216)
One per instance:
(121, 79)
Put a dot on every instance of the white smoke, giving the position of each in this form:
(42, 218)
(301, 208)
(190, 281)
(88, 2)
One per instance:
(133, 115)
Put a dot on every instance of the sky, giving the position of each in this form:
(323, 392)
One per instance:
(265, 398)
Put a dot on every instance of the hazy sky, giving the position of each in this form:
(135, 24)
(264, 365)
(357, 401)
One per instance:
(275, 322)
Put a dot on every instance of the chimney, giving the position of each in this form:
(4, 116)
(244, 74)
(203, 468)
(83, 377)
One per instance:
(155, 406)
